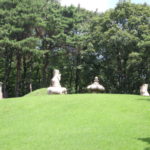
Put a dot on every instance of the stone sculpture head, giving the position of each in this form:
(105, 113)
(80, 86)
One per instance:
(96, 79)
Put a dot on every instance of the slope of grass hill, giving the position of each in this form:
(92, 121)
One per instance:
(75, 122)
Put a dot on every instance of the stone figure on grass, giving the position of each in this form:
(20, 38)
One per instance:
(1, 93)
(144, 90)
(55, 87)
(96, 87)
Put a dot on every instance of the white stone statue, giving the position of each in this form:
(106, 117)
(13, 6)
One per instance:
(144, 90)
(55, 81)
(96, 87)
(1, 93)
(55, 87)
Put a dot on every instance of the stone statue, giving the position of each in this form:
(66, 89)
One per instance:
(55, 87)
(1, 93)
(96, 87)
(55, 81)
(144, 90)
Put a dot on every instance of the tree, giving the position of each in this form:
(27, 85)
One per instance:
(117, 38)
(38, 36)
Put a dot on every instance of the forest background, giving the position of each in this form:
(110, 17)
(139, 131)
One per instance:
(39, 36)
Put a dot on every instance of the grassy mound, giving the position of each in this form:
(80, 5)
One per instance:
(38, 92)
(75, 122)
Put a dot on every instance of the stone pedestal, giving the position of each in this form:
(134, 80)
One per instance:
(96, 87)
(1, 93)
(55, 87)
(144, 90)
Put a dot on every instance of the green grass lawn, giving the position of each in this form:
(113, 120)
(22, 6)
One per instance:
(75, 122)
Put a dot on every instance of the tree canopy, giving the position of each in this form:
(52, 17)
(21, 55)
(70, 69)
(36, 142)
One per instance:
(37, 36)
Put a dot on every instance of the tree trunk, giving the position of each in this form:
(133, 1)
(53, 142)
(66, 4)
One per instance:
(44, 70)
(18, 75)
(8, 61)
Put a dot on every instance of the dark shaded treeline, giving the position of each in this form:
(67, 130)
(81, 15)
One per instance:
(38, 36)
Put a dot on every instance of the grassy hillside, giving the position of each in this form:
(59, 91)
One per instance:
(75, 122)
(38, 92)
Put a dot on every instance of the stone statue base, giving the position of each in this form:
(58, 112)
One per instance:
(96, 87)
(56, 90)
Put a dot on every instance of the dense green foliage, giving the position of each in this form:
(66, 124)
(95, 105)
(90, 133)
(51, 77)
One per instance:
(121, 40)
(75, 122)
(37, 36)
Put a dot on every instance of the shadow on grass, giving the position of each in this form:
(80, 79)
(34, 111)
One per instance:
(147, 140)
(148, 148)
(144, 99)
